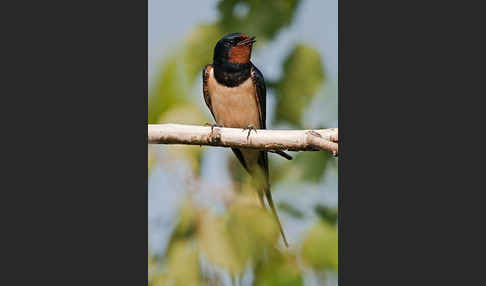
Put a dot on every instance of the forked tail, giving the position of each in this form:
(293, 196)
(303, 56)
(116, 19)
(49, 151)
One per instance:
(268, 194)
(259, 172)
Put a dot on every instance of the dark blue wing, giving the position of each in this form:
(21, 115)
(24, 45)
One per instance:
(261, 90)
(259, 82)
(205, 77)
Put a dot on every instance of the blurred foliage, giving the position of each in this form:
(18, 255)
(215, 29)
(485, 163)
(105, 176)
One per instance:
(239, 236)
(281, 270)
(328, 215)
(320, 247)
(238, 174)
(244, 235)
(186, 226)
(183, 263)
(312, 165)
(168, 91)
(151, 159)
(303, 76)
(306, 166)
(252, 17)
(185, 113)
(288, 208)
(198, 50)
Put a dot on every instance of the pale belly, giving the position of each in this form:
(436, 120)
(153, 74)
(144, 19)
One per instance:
(234, 106)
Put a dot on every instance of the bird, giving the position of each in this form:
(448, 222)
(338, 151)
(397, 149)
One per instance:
(234, 91)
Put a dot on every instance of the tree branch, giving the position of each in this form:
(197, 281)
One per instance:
(263, 139)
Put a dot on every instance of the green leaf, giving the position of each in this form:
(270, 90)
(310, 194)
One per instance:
(168, 91)
(327, 214)
(280, 269)
(288, 208)
(151, 269)
(151, 159)
(262, 19)
(237, 172)
(303, 75)
(312, 165)
(250, 227)
(185, 113)
(242, 235)
(198, 49)
(306, 166)
(216, 244)
(183, 266)
(320, 247)
(186, 226)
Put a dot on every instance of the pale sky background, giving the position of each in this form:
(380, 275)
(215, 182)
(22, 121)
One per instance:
(316, 23)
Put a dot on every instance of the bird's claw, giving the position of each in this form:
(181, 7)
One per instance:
(249, 128)
(212, 125)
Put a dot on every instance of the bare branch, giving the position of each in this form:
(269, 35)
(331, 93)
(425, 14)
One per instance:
(271, 140)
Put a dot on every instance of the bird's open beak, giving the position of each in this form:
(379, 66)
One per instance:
(247, 41)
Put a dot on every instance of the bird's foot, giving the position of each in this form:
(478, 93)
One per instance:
(249, 128)
(211, 135)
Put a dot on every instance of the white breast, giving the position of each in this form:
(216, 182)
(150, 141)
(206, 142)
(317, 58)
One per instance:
(234, 106)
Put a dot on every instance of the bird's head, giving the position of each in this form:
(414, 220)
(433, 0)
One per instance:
(234, 49)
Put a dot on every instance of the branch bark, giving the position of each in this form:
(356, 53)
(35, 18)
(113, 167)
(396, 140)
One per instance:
(263, 139)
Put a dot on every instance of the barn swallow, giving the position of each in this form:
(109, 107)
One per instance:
(235, 93)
